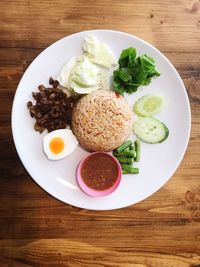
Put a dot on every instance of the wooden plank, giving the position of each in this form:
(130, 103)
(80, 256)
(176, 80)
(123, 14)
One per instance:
(169, 25)
(66, 252)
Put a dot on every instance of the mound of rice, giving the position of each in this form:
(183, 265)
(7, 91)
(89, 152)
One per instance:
(101, 120)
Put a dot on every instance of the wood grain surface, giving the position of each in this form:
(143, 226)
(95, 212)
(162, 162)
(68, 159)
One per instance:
(38, 230)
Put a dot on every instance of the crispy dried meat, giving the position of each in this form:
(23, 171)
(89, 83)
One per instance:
(53, 108)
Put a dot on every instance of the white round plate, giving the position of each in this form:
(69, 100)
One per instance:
(158, 162)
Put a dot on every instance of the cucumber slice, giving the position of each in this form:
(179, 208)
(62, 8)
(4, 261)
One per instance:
(150, 130)
(148, 105)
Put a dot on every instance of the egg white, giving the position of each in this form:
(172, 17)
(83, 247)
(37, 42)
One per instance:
(69, 139)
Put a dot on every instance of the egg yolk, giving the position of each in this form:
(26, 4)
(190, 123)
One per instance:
(56, 145)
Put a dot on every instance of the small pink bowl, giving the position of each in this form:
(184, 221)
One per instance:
(92, 192)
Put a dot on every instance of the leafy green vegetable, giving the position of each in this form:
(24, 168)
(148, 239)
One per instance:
(127, 56)
(118, 88)
(133, 71)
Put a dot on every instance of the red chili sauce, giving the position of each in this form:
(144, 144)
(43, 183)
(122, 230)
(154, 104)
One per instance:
(99, 171)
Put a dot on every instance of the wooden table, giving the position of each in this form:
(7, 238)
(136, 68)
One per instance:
(38, 230)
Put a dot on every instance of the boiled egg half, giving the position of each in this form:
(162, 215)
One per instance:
(59, 144)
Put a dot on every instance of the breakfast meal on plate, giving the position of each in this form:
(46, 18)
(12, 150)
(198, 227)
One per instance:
(101, 120)
(86, 105)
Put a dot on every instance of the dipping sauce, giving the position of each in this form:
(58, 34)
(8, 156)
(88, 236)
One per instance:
(99, 171)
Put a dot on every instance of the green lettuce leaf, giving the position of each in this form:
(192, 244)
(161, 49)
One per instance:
(133, 71)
